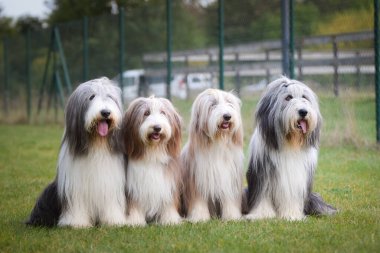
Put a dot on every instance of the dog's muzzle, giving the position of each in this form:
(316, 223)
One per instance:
(226, 121)
(103, 124)
(156, 135)
(302, 124)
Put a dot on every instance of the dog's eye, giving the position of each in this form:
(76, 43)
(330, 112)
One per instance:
(163, 112)
(147, 113)
(305, 97)
(289, 97)
(92, 97)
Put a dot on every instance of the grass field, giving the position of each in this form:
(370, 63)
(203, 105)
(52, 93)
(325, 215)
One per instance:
(348, 176)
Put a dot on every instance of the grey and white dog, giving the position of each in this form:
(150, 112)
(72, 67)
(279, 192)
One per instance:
(284, 154)
(89, 188)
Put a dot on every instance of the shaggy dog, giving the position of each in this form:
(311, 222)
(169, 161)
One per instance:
(284, 152)
(89, 188)
(152, 139)
(213, 158)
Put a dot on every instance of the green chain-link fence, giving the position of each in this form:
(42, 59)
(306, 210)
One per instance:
(95, 46)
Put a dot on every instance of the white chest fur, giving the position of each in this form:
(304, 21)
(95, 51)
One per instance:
(293, 173)
(93, 184)
(149, 184)
(218, 171)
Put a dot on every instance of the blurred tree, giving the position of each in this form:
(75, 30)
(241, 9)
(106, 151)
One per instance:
(328, 7)
(6, 27)
(25, 22)
(68, 10)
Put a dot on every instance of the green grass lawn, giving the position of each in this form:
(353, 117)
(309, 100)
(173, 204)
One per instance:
(348, 176)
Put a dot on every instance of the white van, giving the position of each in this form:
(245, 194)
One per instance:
(131, 82)
(134, 81)
(200, 81)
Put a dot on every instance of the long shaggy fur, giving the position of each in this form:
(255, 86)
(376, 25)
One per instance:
(152, 142)
(284, 153)
(213, 157)
(89, 188)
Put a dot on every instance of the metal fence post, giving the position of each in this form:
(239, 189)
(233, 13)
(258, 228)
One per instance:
(221, 42)
(285, 37)
(169, 20)
(121, 48)
(377, 68)
(336, 64)
(267, 69)
(357, 66)
(85, 48)
(6, 75)
(28, 76)
(59, 47)
(291, 39)
(299, 53)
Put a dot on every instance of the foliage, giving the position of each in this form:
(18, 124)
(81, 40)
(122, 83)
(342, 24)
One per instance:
(348, 21)
(68, 10)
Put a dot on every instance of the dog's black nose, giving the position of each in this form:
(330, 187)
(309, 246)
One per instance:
(302, 113)
(227, 116)
(105, 113)
(157, 128)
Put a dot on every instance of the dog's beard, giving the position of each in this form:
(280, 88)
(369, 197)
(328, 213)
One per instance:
(102, 127)
(303, 125)
(156, 138)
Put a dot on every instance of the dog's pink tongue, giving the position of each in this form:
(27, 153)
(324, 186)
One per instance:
(303, 125)
(102, 128)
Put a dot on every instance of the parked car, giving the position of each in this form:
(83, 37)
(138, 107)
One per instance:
(157, 86)
(200, 81)
(131, 83)
(136, 83)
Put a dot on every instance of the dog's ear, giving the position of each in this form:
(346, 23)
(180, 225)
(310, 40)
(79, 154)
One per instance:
(200, 111)
(237, 137)
(132, 120)
(265, 120)
(174, 144)
(313, 138)
(76, 108)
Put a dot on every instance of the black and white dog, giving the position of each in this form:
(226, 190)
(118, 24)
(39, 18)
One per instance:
(89, 188)
(284, 153)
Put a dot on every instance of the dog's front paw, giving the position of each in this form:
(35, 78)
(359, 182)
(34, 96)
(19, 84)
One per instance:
(117, 221)
(135, 221)
(170, 216)
(231, 212)
(292, 214)
(195, 217)
(174, 219)
(252, 217)
(74, 222)
(259, 215)
(291, 217)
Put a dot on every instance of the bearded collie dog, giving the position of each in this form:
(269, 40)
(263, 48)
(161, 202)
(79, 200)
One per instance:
(152, 143)
(212, 159)
(284, 152)
(89, 188)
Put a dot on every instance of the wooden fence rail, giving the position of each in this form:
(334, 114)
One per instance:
(315, 55)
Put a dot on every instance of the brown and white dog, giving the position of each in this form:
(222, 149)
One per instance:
(213, 158)
(152, 140)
